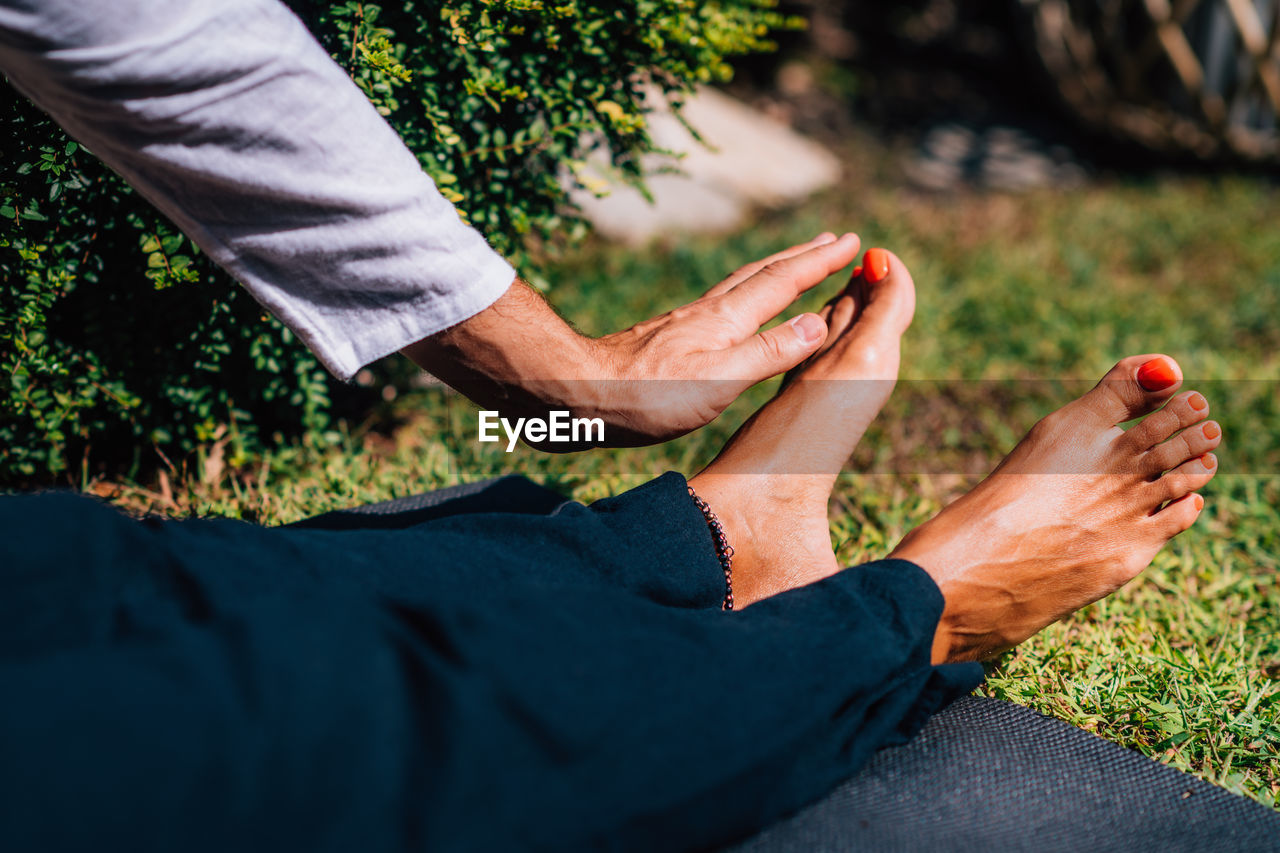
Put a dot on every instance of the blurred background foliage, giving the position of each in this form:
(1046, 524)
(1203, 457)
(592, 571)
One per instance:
(125, 346)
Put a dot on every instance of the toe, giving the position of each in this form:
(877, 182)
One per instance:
(843, 310)
(1186, 478)
(839, 314)
(1178, 515)
(1180, 412)
(1134, 387)
(1188, 444)
(890, 291)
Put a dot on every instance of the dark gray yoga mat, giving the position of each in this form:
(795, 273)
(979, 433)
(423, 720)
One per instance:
(986, 775)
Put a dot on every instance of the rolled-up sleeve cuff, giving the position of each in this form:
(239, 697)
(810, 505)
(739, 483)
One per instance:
(346, 344)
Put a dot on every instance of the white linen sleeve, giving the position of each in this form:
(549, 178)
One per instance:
(233, 121)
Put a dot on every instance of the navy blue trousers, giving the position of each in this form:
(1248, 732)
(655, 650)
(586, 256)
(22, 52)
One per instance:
(480, 680)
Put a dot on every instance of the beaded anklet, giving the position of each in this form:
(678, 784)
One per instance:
(724, 551)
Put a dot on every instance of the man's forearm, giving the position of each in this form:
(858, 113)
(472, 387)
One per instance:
(519, 356)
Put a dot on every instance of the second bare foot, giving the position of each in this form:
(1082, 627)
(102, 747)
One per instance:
(1077, 510)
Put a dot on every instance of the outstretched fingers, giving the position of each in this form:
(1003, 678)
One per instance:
(745, 272)
(773, 351)
(771, 289)
(755, 356)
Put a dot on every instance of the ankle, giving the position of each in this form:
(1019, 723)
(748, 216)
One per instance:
(729, 497)
(776, 526)
(720, 496)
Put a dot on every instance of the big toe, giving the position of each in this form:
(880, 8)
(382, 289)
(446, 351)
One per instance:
(1136, 386)
(890, 293)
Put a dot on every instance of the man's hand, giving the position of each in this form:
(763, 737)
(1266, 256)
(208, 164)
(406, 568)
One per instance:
(657, 380)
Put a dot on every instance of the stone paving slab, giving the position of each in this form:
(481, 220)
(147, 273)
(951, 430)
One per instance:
(749, 161)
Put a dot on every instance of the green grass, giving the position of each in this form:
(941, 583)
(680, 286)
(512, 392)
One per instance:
(1033, 295)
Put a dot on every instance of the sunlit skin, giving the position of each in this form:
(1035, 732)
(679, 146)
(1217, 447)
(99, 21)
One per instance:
(656, 380)
(1079, 508)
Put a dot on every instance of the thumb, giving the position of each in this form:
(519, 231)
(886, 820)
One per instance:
(774, 351)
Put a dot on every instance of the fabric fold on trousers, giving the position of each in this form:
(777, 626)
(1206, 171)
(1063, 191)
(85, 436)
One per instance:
(488, 681)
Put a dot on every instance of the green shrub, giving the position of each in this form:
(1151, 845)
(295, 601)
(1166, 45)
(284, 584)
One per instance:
(118, 336)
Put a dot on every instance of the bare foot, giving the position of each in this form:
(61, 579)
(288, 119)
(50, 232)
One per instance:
(771, 483)
(1076, 511)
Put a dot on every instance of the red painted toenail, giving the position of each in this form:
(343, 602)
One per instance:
(1199, 503)
(1212, 430)
(1198, 402)
(1209, 461)
(1157, 375)
(875, 265)
(857, 271)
